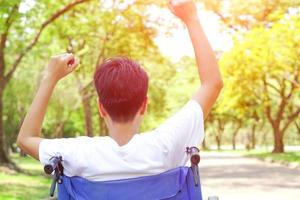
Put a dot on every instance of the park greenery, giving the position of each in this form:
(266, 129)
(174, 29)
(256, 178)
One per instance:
(259, 105)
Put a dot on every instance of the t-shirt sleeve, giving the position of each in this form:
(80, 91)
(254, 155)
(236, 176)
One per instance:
(184, 129)
(68, 149)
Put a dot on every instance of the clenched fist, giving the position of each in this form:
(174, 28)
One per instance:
(60, 66)
(184, 9)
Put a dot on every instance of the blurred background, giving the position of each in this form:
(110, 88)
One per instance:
(257, 43)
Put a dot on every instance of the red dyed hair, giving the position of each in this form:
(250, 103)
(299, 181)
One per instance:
(122, 86)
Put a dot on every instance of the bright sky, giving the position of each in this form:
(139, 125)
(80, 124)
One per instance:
(179, 43)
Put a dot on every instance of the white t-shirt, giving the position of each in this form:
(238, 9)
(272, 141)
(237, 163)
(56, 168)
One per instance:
(154, 152)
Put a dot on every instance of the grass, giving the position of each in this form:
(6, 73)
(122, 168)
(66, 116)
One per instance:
(288, 157)
(31, 185)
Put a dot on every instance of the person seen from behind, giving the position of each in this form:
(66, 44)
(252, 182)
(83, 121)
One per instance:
(122, 87)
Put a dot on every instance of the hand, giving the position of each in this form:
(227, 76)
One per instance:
(184, 9)
(60, 66)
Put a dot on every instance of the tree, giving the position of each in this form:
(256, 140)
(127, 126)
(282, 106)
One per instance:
(242, 17)
(266, 71)
(10, 23)
(238, 19)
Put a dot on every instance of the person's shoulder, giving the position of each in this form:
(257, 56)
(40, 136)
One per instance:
(191, 109)
(85, 139)
(76, 139)
(193, 103)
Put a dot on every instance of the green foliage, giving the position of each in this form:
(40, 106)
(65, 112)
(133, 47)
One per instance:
(288, 157)
(272, 56)
(266, 48)
(265, 52)
(251, 13)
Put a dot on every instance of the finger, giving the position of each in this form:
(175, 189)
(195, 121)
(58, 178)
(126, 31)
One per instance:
(72, 68)
(174, 3)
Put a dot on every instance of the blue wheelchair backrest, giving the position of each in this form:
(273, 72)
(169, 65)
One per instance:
(182, 183)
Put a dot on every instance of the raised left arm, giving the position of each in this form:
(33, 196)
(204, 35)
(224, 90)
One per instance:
(29, 136)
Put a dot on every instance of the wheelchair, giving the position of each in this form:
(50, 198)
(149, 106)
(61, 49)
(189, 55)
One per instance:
(182, 183)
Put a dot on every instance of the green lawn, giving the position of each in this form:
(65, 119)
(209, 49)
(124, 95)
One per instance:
(30, 186)
(288, 157)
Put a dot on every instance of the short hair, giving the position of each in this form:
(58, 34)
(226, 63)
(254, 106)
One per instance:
(122, 86)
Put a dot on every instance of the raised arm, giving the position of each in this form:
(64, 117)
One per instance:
(210, 76)
(29, 135)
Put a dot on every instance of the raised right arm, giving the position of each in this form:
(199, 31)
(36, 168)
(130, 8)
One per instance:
(209, 73)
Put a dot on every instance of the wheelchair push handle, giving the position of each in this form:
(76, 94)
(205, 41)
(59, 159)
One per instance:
(193, 152)
(54, 164)
(55, 169)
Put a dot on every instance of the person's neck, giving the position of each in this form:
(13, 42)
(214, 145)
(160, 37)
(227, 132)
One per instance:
(122, 133)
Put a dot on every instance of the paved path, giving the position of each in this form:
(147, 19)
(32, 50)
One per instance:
(232, 177)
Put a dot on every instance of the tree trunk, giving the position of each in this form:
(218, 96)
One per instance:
(234, 141)
(218, 141)
(59, 131)
(219, 134)
(278, 140)
(87, 114)
(264, 138)
(297, 127)
(204, 147)
(3, 154)
(253, 138)
(234, 136)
